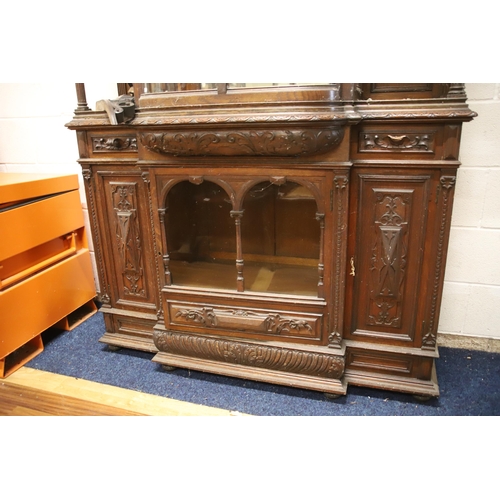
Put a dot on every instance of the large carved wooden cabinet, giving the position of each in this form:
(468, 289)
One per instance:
(289, 234)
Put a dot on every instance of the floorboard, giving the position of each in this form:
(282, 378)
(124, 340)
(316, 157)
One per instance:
(29, 392)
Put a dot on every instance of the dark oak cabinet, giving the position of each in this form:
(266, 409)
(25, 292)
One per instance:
(289, 234)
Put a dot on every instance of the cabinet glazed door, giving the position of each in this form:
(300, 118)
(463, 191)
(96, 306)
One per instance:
(388, 228)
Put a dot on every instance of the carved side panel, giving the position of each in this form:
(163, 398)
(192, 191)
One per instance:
(104, 287)
(445, 200)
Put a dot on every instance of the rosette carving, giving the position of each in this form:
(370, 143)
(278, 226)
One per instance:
(271, 142)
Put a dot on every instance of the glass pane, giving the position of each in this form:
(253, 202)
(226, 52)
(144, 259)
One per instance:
(280, 239)
(177, 87)
(254, 85)
(201, 236)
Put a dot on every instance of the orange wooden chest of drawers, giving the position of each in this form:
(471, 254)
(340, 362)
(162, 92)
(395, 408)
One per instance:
(45, 267)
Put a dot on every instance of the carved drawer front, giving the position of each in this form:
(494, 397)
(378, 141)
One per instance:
(212, 318)
(422, 141)
(116, 144)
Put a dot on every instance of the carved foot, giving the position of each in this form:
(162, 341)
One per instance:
(331, 397)
(114, 348)
(422, 398)
(168, 368)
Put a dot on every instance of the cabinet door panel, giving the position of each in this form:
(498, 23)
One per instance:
(387, 255)
(128, 237)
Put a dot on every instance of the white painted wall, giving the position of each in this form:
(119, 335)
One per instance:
(33, 138)
(471, 297)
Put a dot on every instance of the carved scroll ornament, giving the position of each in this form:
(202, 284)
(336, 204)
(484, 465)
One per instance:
(396, 142)
(270, 142)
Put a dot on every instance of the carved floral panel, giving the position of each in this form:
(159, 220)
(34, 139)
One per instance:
(389, 257)
(257, 321)
(127, 238)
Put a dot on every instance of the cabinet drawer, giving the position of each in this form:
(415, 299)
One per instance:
(29, 226)
(35, 304)
(118, 143)
(278, 324)
(39, 234)
(419, 141)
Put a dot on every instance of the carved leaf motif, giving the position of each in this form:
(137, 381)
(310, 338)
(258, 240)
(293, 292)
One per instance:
(206, 316)
(276, 142)
(276, 324)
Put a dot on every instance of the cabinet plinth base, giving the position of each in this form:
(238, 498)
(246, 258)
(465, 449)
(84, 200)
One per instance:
(119, 340)
(292, 365)
(412, 386)
(332, 386)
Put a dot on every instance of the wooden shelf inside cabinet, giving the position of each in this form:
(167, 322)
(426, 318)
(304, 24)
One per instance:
(45, 269)
(288, 233)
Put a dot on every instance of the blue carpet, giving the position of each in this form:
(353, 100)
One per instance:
(469, 381)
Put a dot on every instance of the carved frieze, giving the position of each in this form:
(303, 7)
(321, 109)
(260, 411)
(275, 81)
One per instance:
(271, 142)
(411, 142)
(458, 114)
(230, 118)
(247, 354)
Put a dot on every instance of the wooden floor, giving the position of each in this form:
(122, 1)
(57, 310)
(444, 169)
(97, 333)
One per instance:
(29, 392)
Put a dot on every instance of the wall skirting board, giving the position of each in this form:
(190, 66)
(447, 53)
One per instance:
(475, 343)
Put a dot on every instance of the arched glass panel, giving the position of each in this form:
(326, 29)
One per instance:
(281, 239)
(201, 236)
